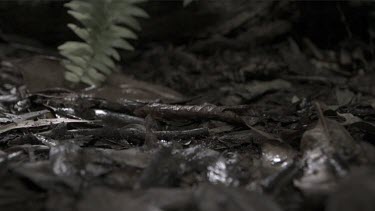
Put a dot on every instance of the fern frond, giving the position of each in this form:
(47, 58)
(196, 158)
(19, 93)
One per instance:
(105, 27)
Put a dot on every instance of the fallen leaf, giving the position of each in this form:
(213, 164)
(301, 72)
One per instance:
(38, 123)
(324, 148)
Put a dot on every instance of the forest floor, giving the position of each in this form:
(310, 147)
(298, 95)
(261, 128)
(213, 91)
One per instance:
(206, 125)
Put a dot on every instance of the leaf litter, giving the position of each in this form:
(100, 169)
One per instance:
(215, 126)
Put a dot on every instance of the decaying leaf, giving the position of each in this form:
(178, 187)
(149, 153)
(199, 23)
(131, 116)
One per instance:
(355, 121)
(19, 118)
(325, 148)
(38, 123)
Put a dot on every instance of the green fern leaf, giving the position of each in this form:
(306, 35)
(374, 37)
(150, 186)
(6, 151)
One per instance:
(102, 67)
(130, 21)
(122, 44)
(80, 32)
(123, 32)
(75, 48)
(105, 26)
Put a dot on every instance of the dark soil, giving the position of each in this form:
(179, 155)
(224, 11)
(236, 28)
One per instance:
(275, 111)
